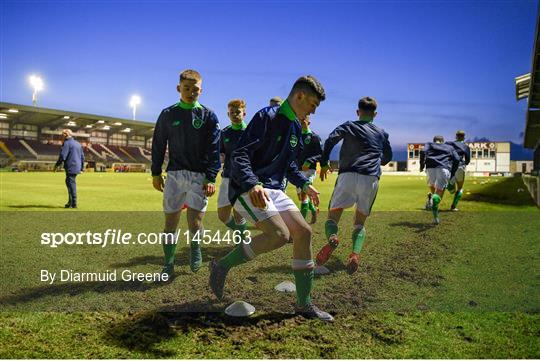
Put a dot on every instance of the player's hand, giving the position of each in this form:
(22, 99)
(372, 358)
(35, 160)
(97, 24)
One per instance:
(258, 196)
(158, 182)
(324, 172)
(209, 188)
(313, 194)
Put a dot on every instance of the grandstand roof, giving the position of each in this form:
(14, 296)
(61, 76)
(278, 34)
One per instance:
(59, 119)
(528, 85)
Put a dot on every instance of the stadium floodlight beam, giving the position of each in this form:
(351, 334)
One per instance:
(37, 85)
(135, 100)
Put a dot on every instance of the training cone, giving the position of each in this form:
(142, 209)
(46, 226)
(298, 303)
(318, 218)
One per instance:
(240, 309)
(321, 270)
(286, 286)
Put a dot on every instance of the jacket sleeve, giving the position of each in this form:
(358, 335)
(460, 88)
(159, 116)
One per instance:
(387, 151)
(455, 162)
(423, 157)
(212, 152)
(250, 141)
(159, 144)
(334, 138)
(82, 159)
(467, 155)
(64, 152)
(315, 150)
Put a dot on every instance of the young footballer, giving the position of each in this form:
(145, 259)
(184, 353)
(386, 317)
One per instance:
(236, 110)
(441, 162)
(464, 153)
(365, 148)
(307, 161)
(267, 152)
(191, 133)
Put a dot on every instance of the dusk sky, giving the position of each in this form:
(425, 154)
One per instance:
(433, 66)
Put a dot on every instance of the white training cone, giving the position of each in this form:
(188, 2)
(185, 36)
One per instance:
(240, 309)
(286, 286)
(321, 270)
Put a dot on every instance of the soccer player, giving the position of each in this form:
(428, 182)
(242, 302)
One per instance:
(72, 156)
(230, 135)
(464, 153)
(266, 152)
(275, 101)
(441, 162)
(191, 133)
(307, 161)
(365, 148)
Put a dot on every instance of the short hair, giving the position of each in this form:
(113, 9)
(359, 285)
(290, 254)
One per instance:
(460, 135)
(438, 139)
(367, 104)
(310, 85)
(239, 103)
(276, 100)
(190, 74)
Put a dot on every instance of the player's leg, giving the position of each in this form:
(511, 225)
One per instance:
(302, 264)
(358, 238)
(331, 232)
(197, 202)
(460, 180)
(441, 181)
(431, 184)
(304, 204)
(233, 221)
(312, 174)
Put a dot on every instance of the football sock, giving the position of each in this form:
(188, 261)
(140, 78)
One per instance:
(457, 197)
(169, 248)
(240, 254)
(330, 228)
(312, 207)
(304, 208)
(358, 237)
(303, 276)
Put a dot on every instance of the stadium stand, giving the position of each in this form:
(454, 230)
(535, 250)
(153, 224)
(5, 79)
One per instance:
(18, 149)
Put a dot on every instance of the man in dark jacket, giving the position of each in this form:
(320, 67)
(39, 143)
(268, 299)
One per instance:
(72, 156)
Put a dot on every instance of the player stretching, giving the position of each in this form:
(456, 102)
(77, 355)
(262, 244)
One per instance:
(191, 132)
(441, 162)
(266, 152)
(311, 154)
(464, 153)
(229, 138)
(365, 148)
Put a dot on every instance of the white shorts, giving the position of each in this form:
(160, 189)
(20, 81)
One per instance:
(438, 177)
(459, 176)
(223, 196)
(310, 175)
(354, 188)
(184, 187)
(279, 202)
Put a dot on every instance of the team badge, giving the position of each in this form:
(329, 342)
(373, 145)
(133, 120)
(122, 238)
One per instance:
(197, 123)
(307, 140)
(293, 141)
(176, 123)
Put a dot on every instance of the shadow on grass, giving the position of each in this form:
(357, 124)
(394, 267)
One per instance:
(24, 206)
(418, 227)
(509, 191)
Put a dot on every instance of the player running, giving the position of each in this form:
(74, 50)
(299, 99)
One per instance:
(307, 161)
(230, 135)
(464, 153)
(191, 133)
(365, 148)
(266, 153)
(441, 162)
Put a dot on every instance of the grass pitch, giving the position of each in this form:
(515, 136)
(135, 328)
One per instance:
(465, 289)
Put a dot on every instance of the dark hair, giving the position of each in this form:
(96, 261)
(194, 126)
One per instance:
(460, 135)
(310, 85)
(438, 139)
(368, 104)
(190, 74)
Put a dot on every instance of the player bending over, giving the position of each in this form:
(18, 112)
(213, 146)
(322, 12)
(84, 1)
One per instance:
(441, 162)
(365, 148)
(266, 153)
(191, 132)
(464, 153)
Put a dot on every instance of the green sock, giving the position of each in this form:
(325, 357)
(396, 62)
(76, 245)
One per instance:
(312, 207)
(231, 224)
(436, 200)
(457, 197)
(304, 208)
(330, 228)
(233, 258)
(358, 237)
(304, 284)
(170, 251)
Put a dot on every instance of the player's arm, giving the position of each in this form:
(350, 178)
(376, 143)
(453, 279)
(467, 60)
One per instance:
(212, 154)
(467, 155)
(159, 145)
(387, 150)
(82, 159)
(315, 149)
(423, 157)
(241, 169)
(455, 162)
(333, 139)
